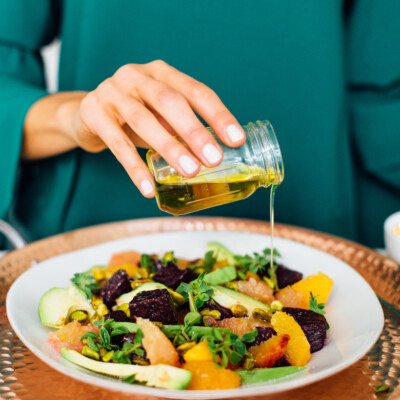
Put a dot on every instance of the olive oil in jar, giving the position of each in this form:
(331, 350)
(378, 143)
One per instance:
(178, 195)
(258, 162)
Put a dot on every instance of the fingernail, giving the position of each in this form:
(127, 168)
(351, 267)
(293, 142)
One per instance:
(188, 165)
(234, 133)
(146, 187)
(211, 153)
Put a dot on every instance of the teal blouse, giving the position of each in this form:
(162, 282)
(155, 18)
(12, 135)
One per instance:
(325, 73)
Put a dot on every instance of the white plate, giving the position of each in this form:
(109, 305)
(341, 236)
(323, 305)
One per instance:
(353, 311)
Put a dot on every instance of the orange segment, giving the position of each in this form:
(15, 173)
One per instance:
(256, 289)
(298, 349)
(290, 298)
(320, 285)
(70, 336)
(199, 352)
(131, 270)
(269, 352)
(207, 376)
(125, 257)
(159, 349)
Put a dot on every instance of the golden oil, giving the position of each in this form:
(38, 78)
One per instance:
(178, 195)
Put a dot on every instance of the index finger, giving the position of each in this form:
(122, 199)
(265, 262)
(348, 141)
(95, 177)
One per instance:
(204, 101)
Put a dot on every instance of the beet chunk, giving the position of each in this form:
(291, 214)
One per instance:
(172, 276)
(313, 325)
(117, 316)
(117, 285)
(155, 305)
(286, 276)
(264, 333)
(212, 305)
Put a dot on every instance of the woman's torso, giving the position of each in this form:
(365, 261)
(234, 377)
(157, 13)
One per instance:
(282, 61)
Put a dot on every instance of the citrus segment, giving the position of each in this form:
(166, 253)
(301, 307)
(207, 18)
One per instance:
(290, 298)
(199, 352)
(320, 285)
(298, 349)
(70, 336)
(269, 352)
(159, 349)
(125, 257)
(258, 290)
(207, 376)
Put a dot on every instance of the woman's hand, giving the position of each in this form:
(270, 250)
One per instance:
(145, 105)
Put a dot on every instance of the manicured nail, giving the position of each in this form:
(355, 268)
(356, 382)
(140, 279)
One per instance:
(211, 153)
(188, 165)
(146, 187)
(234, 133)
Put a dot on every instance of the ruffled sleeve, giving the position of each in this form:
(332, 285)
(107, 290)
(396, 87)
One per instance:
(25, 26)
(373, 47)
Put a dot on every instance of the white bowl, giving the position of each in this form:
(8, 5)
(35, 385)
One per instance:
(392, 240)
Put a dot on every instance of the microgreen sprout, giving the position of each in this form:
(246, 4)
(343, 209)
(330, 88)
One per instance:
(317, 307)
(86, 283)
(257, 264)
(229, 348)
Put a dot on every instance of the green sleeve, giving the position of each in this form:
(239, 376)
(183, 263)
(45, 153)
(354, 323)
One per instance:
(25, 26)
(373, 46)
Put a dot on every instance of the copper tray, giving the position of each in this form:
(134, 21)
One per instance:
(24, 376)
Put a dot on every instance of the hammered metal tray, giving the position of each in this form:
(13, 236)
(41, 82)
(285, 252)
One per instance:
(24, 376)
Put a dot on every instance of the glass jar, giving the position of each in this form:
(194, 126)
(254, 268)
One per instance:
(258, 162)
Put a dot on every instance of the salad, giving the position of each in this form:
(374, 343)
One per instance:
(218, 322)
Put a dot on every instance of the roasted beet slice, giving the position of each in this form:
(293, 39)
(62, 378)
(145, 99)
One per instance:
(212, 305)
(155, 305)
(117, 285)
(264, 333)
(172, 276)
(286, 276)
(117, 316)
(313, 325)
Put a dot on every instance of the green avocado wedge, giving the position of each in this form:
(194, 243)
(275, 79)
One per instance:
(221, 253)
(57, 304)
(221, 275)
(160, 375)
(270, 375)
(229, 298)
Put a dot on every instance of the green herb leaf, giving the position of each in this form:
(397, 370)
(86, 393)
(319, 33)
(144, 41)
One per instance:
(104, 337)
(317, 307)
(192, 318)
(86, 283)
(120, 357)
(121, 330)
(92, 344)
(197, 293)
(229, 348)
(257, 265)
(89, 335)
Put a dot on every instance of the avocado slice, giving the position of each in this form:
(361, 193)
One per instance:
(57, 304)
(221, 275)
(228, 298)
(127, 297)
(160, 375)
(260, 375)
(220, 252)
